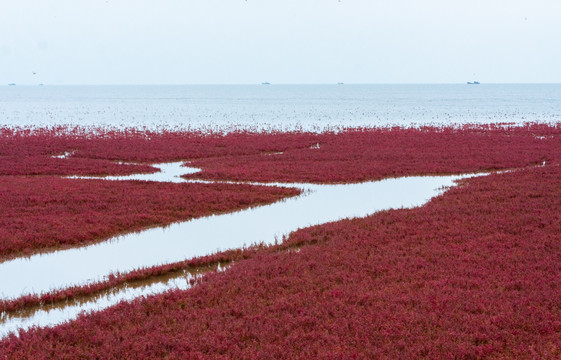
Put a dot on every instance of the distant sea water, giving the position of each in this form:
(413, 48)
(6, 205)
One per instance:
(282, 107)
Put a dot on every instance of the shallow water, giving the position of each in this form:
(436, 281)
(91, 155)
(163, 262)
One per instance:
(49, 315)
(316, 205)
(284, 107)
(169, 172)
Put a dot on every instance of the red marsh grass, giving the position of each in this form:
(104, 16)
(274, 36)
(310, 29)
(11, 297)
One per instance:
(474, 273)
(48, 212)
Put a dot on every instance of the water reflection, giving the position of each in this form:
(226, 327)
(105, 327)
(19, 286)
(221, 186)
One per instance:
(50, 315)
(316, 205)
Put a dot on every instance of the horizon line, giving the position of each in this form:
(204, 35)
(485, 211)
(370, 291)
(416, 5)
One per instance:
(272, 84)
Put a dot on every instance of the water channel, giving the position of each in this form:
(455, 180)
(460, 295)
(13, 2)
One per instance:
(316, 205)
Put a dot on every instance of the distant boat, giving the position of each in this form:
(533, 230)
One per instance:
(473, 83)
(340, 83)
(41, 84)
(11, 84)
(265, 83)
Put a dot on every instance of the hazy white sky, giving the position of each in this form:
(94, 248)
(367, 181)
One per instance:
(280, 41)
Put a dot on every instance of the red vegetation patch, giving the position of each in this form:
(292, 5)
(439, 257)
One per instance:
(50, 212)
(474, 273)
(115, 280)
(46, 165)
(95, 152)
(367, 154)
(26, 153)
(352, 155)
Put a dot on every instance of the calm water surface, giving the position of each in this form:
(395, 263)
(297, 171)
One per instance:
(311, 107)
(318, 204)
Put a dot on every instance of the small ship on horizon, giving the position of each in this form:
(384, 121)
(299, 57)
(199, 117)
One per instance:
(473, 82)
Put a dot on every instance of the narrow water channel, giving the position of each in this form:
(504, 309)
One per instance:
(318, 204)
(53, 314)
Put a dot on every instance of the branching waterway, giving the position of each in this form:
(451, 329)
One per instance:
(317, 204)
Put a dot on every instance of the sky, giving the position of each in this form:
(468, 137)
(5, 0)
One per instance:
(288, 41)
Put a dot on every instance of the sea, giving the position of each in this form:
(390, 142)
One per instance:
(277, 107)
